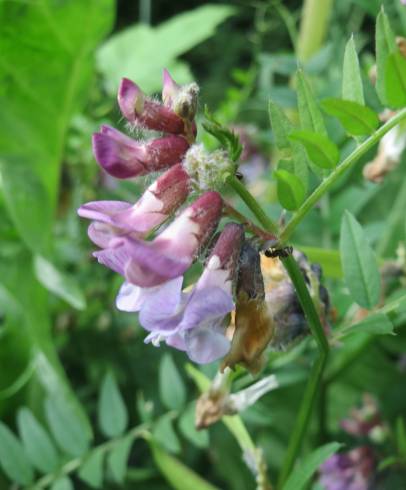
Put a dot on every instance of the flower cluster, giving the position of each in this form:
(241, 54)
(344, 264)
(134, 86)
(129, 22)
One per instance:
(141, 243)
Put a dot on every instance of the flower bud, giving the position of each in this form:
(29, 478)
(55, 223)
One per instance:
(122, 157)
(182, 99)
(139, 109)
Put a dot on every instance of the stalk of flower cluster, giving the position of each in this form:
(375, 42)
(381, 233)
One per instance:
(317, 330)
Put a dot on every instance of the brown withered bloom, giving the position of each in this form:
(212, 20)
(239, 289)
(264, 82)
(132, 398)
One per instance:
(253, 324)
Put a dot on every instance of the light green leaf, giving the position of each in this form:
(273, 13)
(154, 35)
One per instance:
(37, 444)
(375, 324)
(310, 116)
(179, 476)
(291, 192)
(112, 412)
(66, 427)
(171, 386)
(91, 472)
(395, 80)
(164, 433)
(290, 150)
(327, 258)
(361, 273)
(118, 457)
(385, 45)
(302, 474)
(200, 438)
(141, 52)
(62, 483)
(38, 99)
(59, 283)
(357, 119)
(13, 459)
(321, 151)
(352, 82)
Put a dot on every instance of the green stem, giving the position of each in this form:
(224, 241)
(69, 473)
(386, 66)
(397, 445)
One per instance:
(252, 204)
(329, 181)
(313, 27)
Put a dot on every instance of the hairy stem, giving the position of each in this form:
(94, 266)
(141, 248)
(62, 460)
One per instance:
(329, 181)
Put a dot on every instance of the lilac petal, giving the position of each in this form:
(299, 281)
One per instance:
(163, 309)
(177, 341)
(103, 210)
(205, 306)
(130, 297)
(116, 257)
(206, 344)
(102, 234)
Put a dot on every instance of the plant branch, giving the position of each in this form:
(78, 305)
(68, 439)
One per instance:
(328, 182)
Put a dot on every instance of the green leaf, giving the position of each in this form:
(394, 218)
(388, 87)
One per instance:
(361, 273)
(59, 283)
(66, 427)
(91, 472)
(179, 476)
(37, 444)
(327, 258)
(321, 151)
(302, 474)
(375, 324)
(62, 483)
(309, 112)
(112, 412)
(385, 45)
(228, 139)
(118, 457)
(38, 99)
(171, 387)
(200, 438)
(357, 119)
(164, 433)
(291, 192)
(401, 437)
(128, 53)
(395, 80)
(352, 82)
(13, 459)
(291, 150)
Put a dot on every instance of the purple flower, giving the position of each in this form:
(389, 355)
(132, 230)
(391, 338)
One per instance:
(149, 264)
(139, 109)
(196, 321)
(348, 471)
(123, 157)
(159, 201)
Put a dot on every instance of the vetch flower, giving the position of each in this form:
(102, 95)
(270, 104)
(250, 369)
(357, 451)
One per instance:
(182, 99)
(159, 201)
(123, 157)
(149, 264)
(139, 109)
(197, 320)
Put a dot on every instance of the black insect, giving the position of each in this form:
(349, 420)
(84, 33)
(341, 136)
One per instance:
(282, 253)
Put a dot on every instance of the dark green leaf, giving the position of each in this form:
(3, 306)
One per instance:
(309, 112)
(357, 119)
(359, 264)
(385, 45)
(199, 438)
(302, 474)
(228, 139)
(327, 258)
(66, 427)
(113, 416)
(179, 476)
(59, 283)
(62, 483)
(352, 82)
(171, 386)
(37, 444)
(291, 192)
(401, 437)
(375, 324)
(164, 433)
(91, 472)
(321, 151)
(38, 99)
(395, 80)
(13, 459)
(128, 53)
(118, 458)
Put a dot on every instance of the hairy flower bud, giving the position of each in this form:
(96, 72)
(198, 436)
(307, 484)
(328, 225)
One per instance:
(182, 99)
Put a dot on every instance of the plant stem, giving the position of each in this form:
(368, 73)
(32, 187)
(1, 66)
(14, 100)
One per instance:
(328, 182)
(252, 204)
